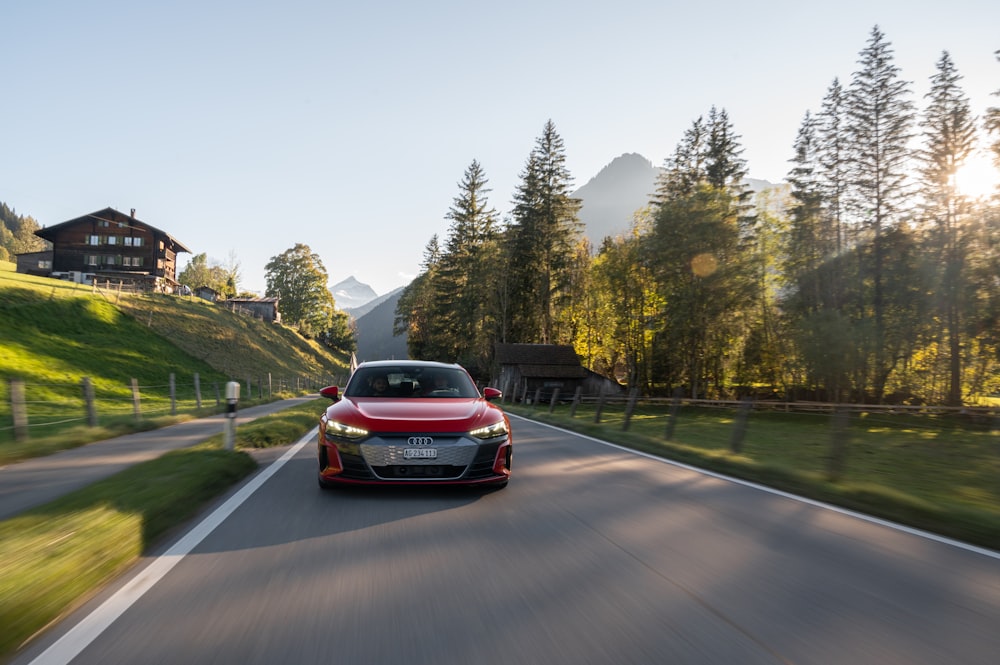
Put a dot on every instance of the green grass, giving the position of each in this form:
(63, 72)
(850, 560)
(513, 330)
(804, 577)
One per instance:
(55, 333)
(935, 473)
(55, 556)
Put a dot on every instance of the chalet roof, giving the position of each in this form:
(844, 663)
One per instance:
(110, 215)
(541, 360)
(260, 300)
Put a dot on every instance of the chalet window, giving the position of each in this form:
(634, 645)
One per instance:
(136, 261)
(112, 240)
(133, 242)
(103, 222)
(93, 240)
(45, 265)
(90, 259)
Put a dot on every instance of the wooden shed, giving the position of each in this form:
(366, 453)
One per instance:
(526, 368)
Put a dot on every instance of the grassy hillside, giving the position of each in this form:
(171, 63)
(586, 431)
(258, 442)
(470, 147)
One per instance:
(55, 333)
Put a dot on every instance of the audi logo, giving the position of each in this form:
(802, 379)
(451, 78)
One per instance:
(419, 441)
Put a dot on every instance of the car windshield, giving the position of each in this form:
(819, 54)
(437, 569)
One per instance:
(411, 381)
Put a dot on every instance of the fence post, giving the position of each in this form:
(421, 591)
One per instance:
(576, 401)
(675, 407)
(88, 400)
(629, 408)
(218, 397)
(18, 410)
(269, 386)
(740, 425)
(173, 395)
(135, 400)
(538, 396)
(839, 439)
(555, 398)
(197, 390)
(600, 407)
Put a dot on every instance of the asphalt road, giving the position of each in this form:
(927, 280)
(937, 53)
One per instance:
(591, 555)
(36, 481)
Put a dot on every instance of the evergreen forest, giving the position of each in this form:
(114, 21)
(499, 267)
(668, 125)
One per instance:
(872, 277)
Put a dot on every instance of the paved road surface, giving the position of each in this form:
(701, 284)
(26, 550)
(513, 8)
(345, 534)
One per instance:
(591, 555)
(33, 482)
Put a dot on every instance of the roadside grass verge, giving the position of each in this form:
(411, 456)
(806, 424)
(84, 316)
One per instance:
(937, 474)
(57, 333)
(54, 557)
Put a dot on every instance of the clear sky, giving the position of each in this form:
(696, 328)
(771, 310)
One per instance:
(243, 127)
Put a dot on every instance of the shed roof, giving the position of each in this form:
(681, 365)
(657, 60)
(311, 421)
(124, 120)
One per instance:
(541, 360)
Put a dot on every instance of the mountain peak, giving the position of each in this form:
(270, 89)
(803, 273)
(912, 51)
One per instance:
(350, 293)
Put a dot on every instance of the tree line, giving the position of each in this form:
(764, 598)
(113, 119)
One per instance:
(870, 277)
(17, 234)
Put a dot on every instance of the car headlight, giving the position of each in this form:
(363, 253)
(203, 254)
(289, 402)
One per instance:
(334, 428)
(498, 428)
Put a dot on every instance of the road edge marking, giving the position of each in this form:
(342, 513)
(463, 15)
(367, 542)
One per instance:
(770, 490)
(74, 641)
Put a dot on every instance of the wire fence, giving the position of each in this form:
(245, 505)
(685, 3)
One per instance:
(942, 446)
(29, 410)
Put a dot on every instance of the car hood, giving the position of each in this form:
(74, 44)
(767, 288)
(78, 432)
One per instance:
(415, 414)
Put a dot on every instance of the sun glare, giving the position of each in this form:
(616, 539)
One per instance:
(978, 177)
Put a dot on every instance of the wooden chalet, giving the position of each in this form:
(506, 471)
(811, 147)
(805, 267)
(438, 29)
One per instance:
(108, 245)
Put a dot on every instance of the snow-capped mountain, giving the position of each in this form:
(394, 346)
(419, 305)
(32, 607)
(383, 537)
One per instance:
(351, 294)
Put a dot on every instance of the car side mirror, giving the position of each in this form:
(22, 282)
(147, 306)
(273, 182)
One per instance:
(331, 392)
(491, 394)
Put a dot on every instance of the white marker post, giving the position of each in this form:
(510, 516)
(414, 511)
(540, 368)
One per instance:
(232, 399)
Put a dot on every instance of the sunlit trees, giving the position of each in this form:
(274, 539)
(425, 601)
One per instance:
(17, 234)
(949, 133)
(414, 314)
(298, 279)
(223, 279)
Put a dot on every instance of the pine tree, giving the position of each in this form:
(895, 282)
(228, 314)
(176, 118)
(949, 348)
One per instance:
(698, 251)
(879, 119)
(992, 126)
(541, 243)
(464, 285)
(414, 314)
(949, 131)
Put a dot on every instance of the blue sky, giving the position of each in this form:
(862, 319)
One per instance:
(244, 127)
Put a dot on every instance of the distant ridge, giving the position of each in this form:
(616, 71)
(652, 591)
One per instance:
(611, 198)
(626, 185)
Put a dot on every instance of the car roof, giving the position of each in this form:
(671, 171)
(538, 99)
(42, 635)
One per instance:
(409, 363)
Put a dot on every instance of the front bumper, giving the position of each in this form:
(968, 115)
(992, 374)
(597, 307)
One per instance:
(381, 459)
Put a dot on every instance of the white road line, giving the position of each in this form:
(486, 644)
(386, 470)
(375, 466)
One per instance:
(770, 490)
(67, 647)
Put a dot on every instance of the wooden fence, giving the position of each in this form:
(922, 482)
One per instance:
(41, 408)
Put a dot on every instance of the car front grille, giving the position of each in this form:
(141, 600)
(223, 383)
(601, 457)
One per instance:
(451, 451)
(482, 465)
(355, 467)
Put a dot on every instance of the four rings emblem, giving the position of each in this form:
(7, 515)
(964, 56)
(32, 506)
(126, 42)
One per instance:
(419, 441)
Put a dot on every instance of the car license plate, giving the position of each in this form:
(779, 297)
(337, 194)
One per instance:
(420, 453)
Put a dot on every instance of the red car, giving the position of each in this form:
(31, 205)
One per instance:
(405, 422)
